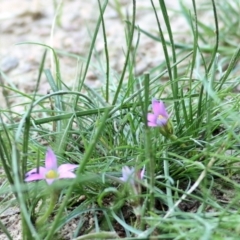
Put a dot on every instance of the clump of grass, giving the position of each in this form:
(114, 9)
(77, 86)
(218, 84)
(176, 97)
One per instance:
(190, 187)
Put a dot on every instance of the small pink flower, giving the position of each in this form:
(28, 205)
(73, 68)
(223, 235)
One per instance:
(129, 174)
(132, 177)
(51, 171)
(159, 117)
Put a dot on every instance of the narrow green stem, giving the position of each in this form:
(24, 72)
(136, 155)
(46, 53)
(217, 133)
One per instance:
(168, 183)
(148, 148)
(42, 219)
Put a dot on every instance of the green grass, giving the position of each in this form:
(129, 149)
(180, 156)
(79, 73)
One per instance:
(190, 189)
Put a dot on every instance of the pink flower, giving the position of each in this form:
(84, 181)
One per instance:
(132, 177)
(159, 117)
(51, 171)
(129, 174)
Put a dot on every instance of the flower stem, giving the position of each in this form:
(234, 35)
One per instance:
(168, 182)
(42, 219)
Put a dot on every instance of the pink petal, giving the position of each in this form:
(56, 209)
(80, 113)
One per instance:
(151, 124)
(50, 160)
(142, 173)
(127, 173)
(34, 177)
(156, 107)
(151, 117)
(159, 108)
(50, 180)
(66, 167)
(162, 121)
(67, 174)
(40, 170)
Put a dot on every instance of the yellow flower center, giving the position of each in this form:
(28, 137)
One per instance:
(51, 174)
(160, 117)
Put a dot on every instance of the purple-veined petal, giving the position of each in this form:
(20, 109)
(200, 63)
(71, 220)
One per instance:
(50, 160)
(66, 167)
(34, 177)
(40, 170)
(66, 174)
